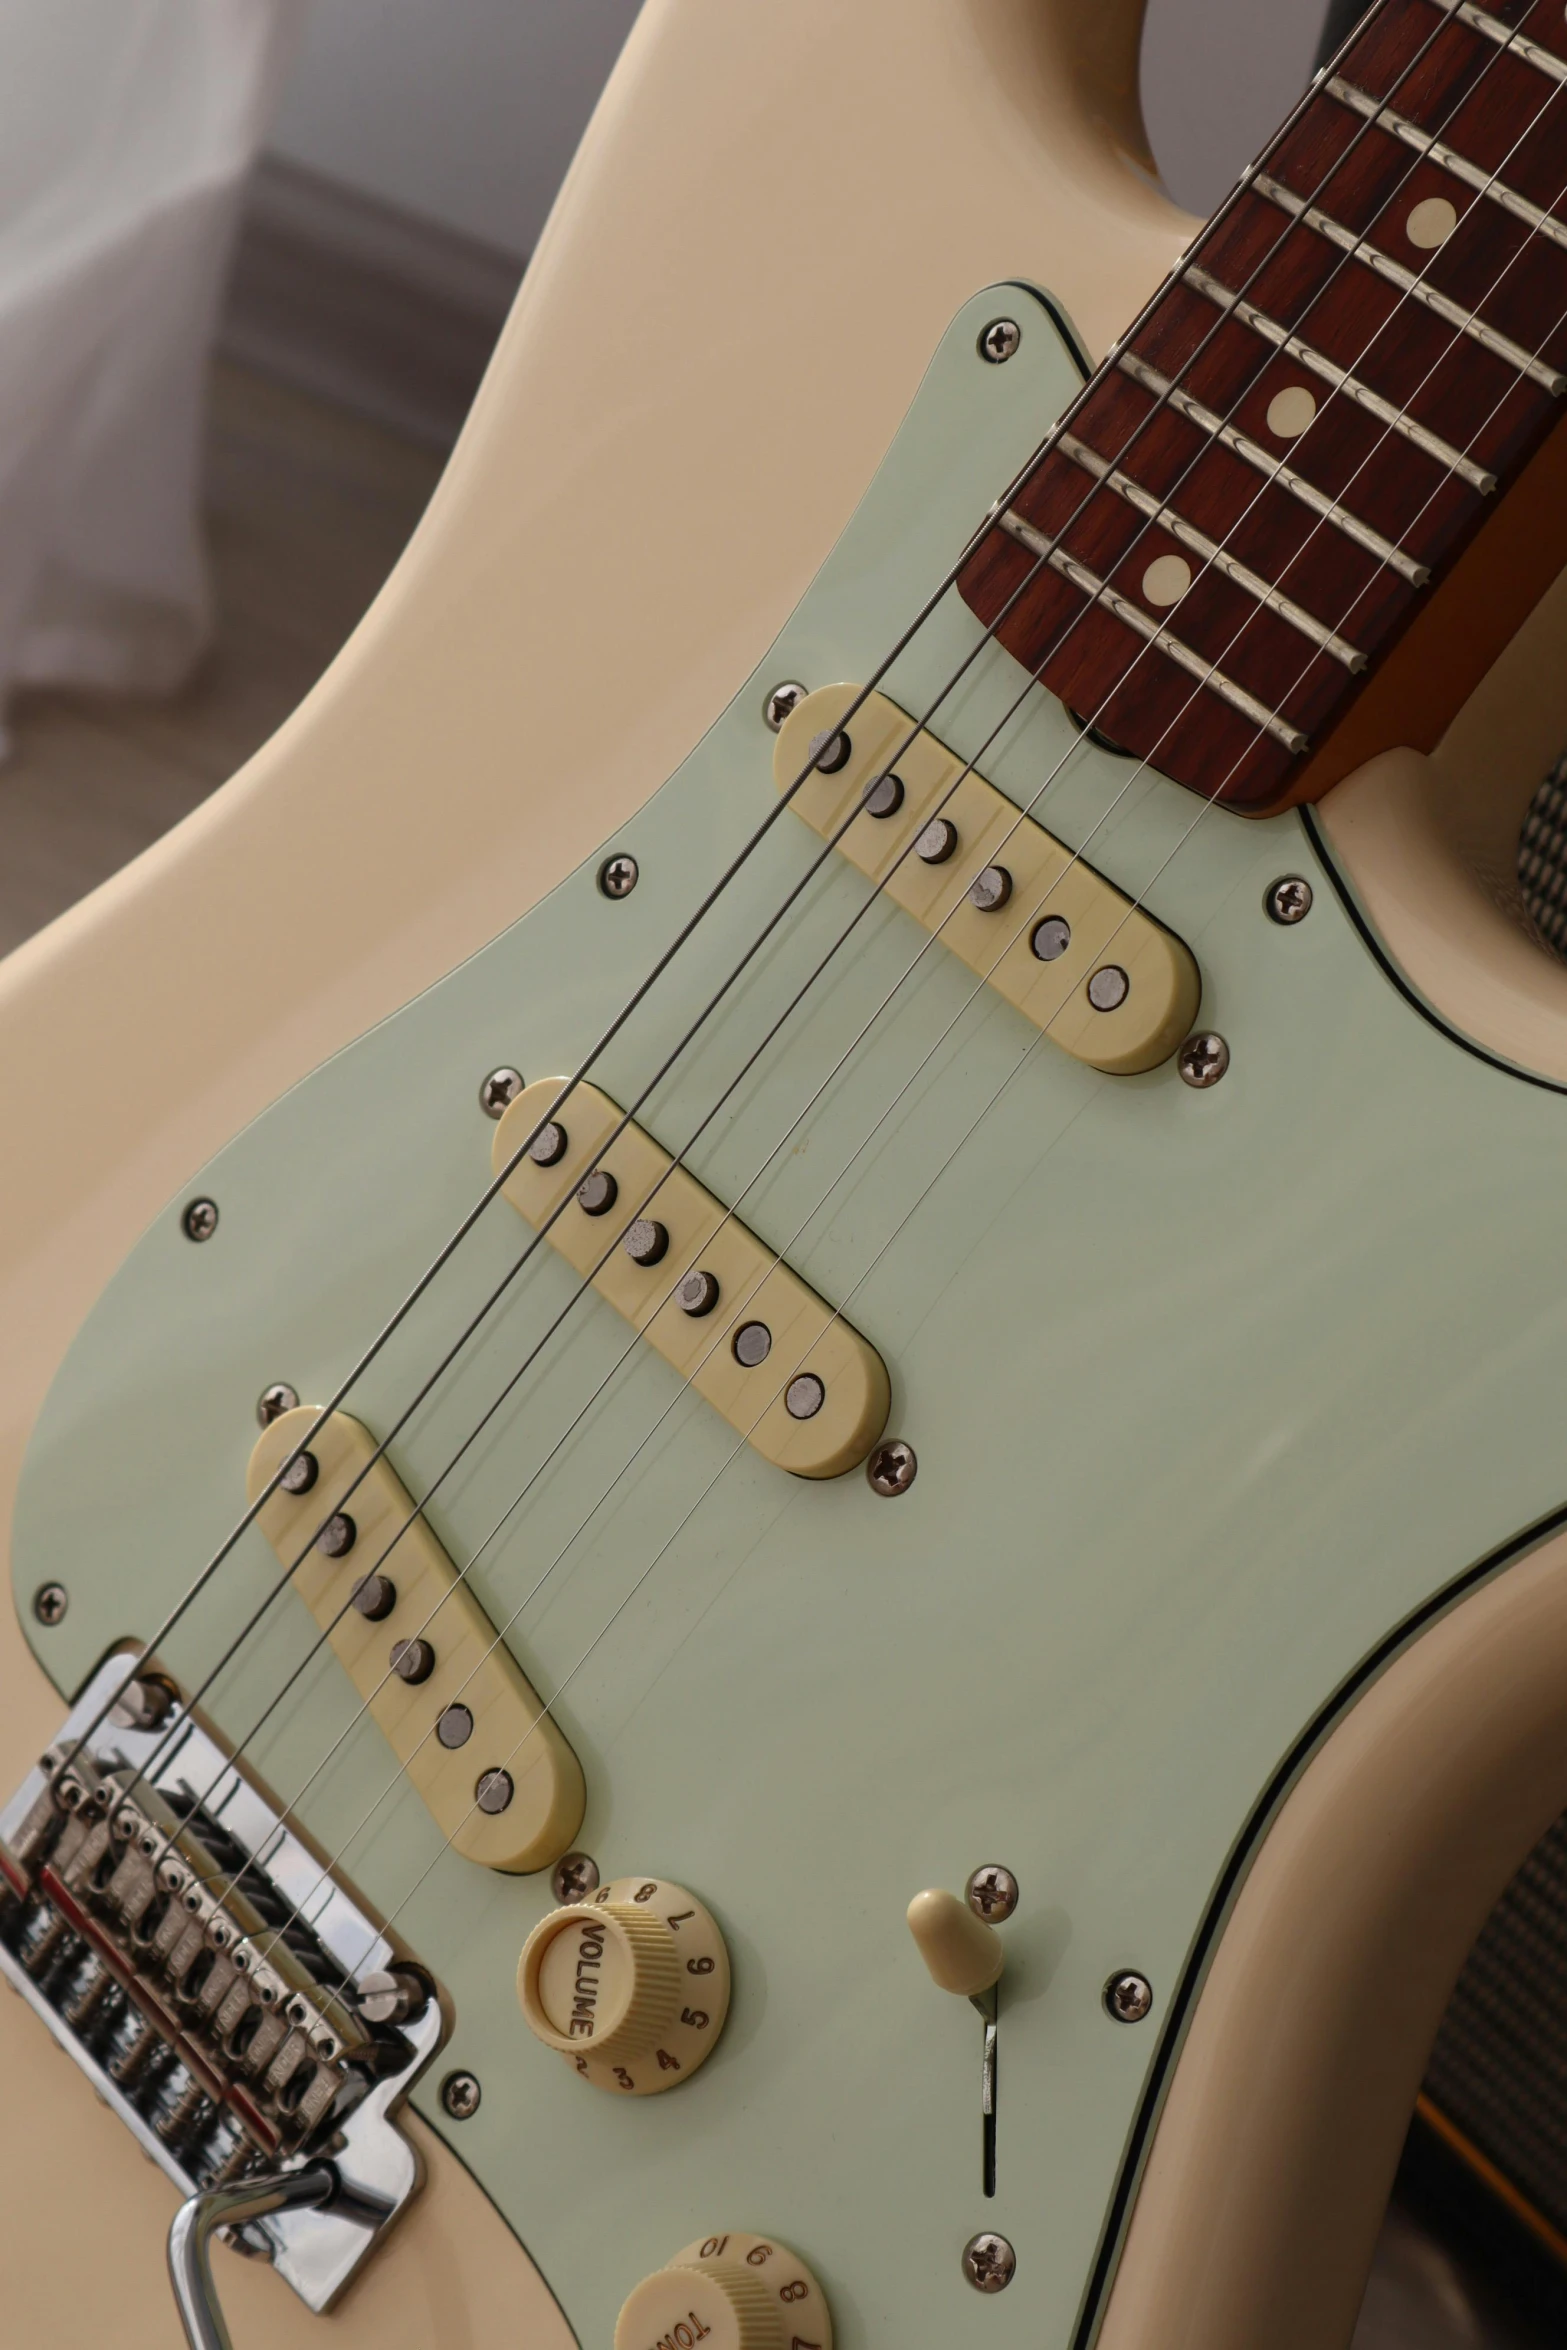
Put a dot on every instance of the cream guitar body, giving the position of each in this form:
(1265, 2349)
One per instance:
(762, 248)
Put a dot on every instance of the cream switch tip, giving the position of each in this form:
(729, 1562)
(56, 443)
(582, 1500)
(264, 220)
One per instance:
(962, 1953)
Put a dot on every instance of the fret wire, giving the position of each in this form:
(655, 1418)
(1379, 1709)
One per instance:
(1505, 38)
(1134, 494)
(1451, 459)
(1110, 599)
(1439, 152)
(1285, 476)
(1500, 346)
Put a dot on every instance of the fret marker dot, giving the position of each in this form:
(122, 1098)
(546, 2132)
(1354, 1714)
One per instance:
(1431, 223)
(1290, 411)
(1166, 579)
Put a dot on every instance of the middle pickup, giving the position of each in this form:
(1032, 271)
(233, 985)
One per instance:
(1103, 980)
(797, 1381)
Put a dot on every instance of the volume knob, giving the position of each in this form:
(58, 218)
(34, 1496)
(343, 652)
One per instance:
(631, 1987)
(729, 2292)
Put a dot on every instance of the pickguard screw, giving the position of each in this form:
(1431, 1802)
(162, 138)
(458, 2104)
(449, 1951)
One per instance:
(575, 1877)
(989, 2263)
(274, 1401)
(992, 1893)
(460, 2095)
(999, 340)
(1288, 899)
(618, 876)
(499, 1090)
(1203, 1059)
(892, 1468)
(781, 701)
(200, 1219)
(50, 1602)
(1128, 1997)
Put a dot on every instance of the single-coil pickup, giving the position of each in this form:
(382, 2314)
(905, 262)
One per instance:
(1103, 980)
(796, 1381)
(473, 1738)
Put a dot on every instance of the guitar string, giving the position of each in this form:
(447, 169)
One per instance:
(631, 1347)
(138, 1660)
(1473, 442)
(869, 1137)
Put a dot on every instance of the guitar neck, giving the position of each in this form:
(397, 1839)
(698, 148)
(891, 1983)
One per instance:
(1307, 500)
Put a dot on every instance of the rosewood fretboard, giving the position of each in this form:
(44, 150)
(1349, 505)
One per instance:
(1300, 510)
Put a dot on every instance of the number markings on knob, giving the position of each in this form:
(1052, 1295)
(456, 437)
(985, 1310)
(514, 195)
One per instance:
(747, 2292)
(631, 1986)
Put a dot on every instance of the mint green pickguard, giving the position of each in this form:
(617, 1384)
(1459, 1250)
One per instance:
(1210, 1392)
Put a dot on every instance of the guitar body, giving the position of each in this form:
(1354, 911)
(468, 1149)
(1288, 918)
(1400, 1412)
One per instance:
(1227, 1607)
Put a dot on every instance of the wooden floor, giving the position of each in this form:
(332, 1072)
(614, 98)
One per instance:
(308, 508)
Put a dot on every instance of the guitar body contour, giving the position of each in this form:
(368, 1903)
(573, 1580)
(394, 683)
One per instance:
(1267, 1707)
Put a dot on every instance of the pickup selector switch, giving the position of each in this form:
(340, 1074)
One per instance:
(631, 1986)
(730, 2292)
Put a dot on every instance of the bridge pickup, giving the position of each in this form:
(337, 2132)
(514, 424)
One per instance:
(1103, 980)
(495, 1773)
(797, 1382)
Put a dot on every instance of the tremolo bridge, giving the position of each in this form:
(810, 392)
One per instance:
(1105, 982)
(225, 1997)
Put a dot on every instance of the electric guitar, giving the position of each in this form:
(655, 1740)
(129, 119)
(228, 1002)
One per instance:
(804, 1275)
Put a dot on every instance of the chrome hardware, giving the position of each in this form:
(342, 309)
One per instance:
(496, 1095)
(143, 1703)
(142, 1926)
(991, 1893)
(999, 341)
(574, 1877)
(618, 877)
(231, 2208)
(1128, 1997)
(50, 1602)
(1289, 899)
(989, 2263)
(892, 1468)
(1202, 1060)
(274, 1401)
(781, 701)
(461, 2095)
(200, 1219)
(394, 1996)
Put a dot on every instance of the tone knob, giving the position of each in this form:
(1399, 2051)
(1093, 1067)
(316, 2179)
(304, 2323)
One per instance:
(631, 1986)
(729, 2292)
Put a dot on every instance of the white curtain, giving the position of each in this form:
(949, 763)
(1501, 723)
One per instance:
(126, 129)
